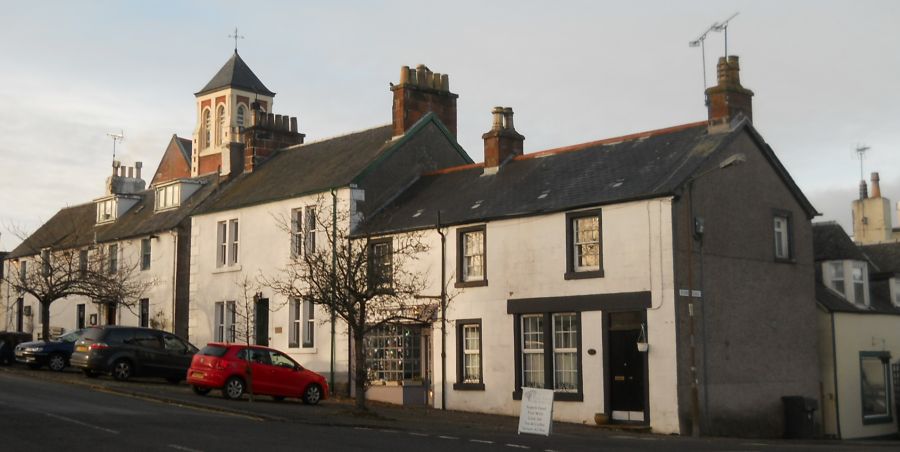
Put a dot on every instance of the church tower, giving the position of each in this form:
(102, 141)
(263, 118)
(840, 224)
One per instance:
(225, 106)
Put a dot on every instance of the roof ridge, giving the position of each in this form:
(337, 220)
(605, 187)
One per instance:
(622, 138)
(577, 147)
(334, 137)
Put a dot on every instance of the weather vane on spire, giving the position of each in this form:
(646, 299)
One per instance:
(236, 36)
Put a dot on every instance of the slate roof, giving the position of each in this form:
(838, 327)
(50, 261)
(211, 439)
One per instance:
(236, 74)
(306, 168)
(830, 242)
(639, 166)
(184, 145)
(74, 227)
(886, 256)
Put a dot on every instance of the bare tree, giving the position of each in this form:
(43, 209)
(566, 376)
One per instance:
(114, 281)
(367, 282)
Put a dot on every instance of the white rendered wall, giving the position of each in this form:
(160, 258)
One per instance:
(526, 258)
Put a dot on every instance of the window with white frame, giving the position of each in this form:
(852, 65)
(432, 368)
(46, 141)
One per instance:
(469, 359)
(471, 263)
(836, 280)
(145, 254)
(380, 267)
(106, 210)
(113, 251)
(296, 232)
(781, 226)
(220, 126)
(584, 245)
(224, 318)
(168, 196)
(207, 128)
(565, 352)
(549, 346)
(837, 275)
(227, 243)
(294, 329)
(533, 351)
(309, 224)
(233, 241)
(309, 324)
(875, 379)
(240, 117)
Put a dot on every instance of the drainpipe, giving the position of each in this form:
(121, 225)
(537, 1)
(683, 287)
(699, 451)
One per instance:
(174, 280)
(443, 312)
(333, 276)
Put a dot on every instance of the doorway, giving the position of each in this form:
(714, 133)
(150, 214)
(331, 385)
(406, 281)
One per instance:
(262, 321)
(20, 315)
(110, 313)
(627, 371)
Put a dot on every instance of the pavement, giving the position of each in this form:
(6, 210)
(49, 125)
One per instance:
(340, 412)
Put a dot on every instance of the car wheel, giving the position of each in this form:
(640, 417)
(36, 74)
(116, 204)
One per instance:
(34, 366)
(56, 362)
(312, 395)
(89, 373)
(122, 370)
(234, 388)
(200, 390)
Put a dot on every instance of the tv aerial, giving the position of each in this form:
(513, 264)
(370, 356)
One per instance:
(701, 41)
(861, 150)
(116, 138)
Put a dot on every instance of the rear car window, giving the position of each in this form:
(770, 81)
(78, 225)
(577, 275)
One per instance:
(214, 350)
(118, 336)
(92, 334)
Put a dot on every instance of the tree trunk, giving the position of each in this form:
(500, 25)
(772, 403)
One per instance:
(360, 370)
(45, 321)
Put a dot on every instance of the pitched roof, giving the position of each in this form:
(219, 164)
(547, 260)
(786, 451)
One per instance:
(830, 242)
(638, 166)
(886, 256)
(184, 145)
(306, 168)
(74, 227)
(236, 74)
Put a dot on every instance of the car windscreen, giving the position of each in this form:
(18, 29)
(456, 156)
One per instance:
(214, 350)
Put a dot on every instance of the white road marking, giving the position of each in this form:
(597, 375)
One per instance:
(385, 430)
(418, 434)
(185, 449)
(83, 424)
(518, 446)
(447, 437)
(361, 428)
(481, 441)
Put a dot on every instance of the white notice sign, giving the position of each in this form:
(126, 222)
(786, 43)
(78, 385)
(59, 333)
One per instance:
(536, 415)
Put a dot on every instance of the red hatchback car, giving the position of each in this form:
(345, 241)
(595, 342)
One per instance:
(224, 366)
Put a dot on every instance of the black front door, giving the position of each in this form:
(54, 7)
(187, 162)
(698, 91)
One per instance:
(111, 314)
(626, 369)
(20, 315)
(262, 322)
(80, 317)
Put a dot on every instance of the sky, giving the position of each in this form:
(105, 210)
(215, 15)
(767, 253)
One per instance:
(826, 76)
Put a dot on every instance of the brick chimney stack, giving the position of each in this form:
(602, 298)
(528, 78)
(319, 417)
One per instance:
(267, 133)
(421, 91)
(728, 99)
(502, 141)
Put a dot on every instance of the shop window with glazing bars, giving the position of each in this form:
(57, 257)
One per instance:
(394, 353)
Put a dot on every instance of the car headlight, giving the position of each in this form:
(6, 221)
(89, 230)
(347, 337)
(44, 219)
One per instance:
(34, 349)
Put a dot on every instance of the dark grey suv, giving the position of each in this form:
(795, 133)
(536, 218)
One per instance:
(126, 351)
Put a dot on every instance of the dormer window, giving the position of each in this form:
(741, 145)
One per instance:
(168, 196)
(849, 278)
(106, 210)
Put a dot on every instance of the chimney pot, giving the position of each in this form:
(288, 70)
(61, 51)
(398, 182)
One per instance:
(445, 82)
(278, 122)
(404, 75)
(137, 169)
(876, 186)
(421, 74)
(130, 172)
(508, 117)
(497, 123)
(436, 81)
(294, 124)
(502, 142)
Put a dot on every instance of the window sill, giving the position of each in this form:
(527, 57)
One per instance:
(557, 396)
(227, 269)
(468, 386)
(785, 260)
(295, 349)
(584, 274)
(479, 283)
(887, 419)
